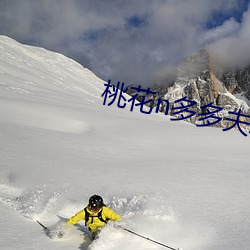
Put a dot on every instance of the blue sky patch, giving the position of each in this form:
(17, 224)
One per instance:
(219, 17)
(136, 21)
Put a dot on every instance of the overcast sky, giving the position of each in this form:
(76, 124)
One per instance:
(132, 41)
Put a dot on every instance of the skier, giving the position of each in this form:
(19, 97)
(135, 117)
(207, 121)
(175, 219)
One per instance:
(95, 214)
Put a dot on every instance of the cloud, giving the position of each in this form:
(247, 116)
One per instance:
(228, 28)
(232, 50)
(131, 41)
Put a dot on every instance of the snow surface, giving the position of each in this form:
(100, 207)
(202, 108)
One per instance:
(170, 181)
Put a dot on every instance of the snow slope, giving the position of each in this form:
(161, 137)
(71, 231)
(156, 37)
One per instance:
(173, 182)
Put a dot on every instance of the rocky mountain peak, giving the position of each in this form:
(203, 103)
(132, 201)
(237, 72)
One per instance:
(197, 64)
(197, 81)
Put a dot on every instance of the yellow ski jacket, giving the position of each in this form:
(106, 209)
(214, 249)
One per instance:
(94, 223)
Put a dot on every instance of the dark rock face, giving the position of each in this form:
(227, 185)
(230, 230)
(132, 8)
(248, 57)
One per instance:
(237, 81)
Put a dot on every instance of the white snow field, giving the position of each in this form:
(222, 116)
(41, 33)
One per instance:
(184, 186)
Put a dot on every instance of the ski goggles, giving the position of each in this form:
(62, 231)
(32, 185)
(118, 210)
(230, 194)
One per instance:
(94, 208)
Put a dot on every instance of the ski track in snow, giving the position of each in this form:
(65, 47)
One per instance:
(145, 214)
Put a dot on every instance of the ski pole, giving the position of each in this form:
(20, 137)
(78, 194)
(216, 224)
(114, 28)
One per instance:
(146, 238)
(45, 228)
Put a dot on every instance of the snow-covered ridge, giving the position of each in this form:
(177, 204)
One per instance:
(33, 74)
(22, 67)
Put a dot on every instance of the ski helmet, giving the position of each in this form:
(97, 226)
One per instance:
(95, 202)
